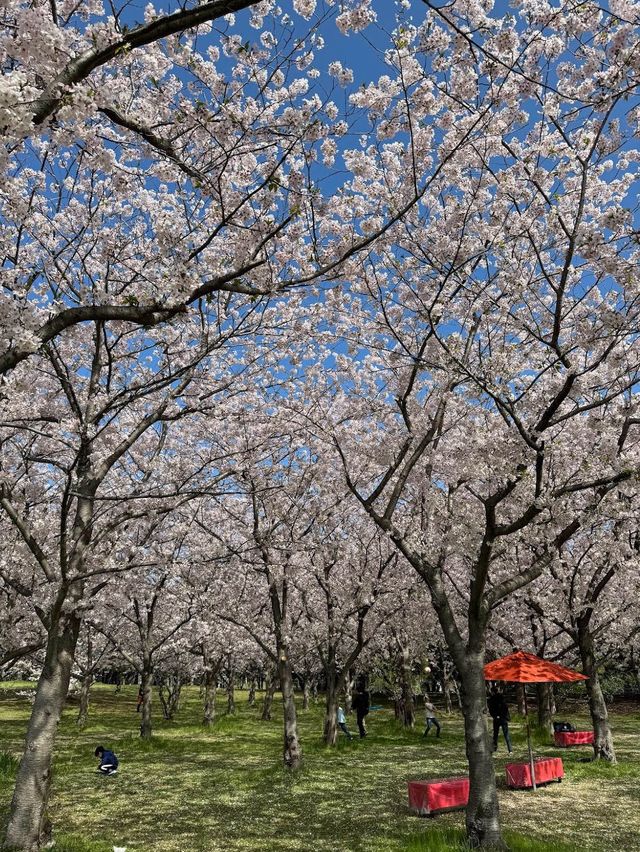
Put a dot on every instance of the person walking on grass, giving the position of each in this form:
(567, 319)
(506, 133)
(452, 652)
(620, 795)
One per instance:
(499, 710)
(342, 723)
(361, 704)
(108, 761)
(430, 718)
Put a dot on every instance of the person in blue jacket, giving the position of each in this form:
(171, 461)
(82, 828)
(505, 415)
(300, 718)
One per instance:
(108, 761)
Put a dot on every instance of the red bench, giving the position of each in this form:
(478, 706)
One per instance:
(546, 769)
(431, 797)
(564, 739)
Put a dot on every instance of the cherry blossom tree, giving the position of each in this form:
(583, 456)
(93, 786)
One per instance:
(493, 365)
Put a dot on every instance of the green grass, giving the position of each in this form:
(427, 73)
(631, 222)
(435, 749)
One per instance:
(190, 790)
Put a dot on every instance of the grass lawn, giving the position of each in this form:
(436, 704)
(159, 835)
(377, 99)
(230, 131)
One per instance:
(224, 789)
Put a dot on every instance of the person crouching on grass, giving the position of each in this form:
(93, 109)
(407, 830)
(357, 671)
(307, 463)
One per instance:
(108, 761)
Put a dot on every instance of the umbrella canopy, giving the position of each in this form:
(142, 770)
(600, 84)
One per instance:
(521, 667)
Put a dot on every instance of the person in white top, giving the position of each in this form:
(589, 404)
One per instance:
(342, 723)
(430, 718)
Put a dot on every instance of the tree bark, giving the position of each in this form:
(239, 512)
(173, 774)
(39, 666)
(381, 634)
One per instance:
(482, 816)
(270, 686)
(85, 687)
(348, 692)
(28, 826)
(545, 719)
(252, 691)
(209, 706)
(146, 727)
(305, 693)
(292, 752)
(520, 698)
(408, 706)
(330, 732)
(603, 740)
(231, 697)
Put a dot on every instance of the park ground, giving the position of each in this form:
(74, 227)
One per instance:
(224, 789)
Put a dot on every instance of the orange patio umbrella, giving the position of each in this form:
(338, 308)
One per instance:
(521, 667)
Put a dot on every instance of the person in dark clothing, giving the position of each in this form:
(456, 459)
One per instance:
(499, 710)
(108, 761)
(361, 704)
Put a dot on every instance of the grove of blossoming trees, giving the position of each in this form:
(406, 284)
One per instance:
(293, 364)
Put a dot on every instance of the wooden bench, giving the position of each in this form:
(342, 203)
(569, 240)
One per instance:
(428, 798)
(546, 769)
(565, 739)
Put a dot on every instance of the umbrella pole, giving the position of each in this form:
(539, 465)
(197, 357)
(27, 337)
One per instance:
(526, 716)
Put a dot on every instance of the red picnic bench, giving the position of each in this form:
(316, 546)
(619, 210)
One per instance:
(428, 798)
(564, 739)
(546, 769)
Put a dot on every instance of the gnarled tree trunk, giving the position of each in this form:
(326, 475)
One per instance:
(270, 686)
(603, 740)
(482, 815)
(330, 731)
(404, 670)
(28, 828)
(85, 688)
(252, 691)
(209, 702)
(231, 696)
(292, 751)
(147, 679)
(545, 719)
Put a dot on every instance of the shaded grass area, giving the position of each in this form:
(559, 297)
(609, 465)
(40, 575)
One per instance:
(224, 789)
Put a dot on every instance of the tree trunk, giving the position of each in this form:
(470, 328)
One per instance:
(305, 693)
(147, 677)
(348, 692)
(252, 692)
(545, 719)
(446, 688)
(270, 686)
(314, 691)
(330, 732)
(292, 751)
(408, 707)
(603, 740)
(231, 696)
(28, 826)
(209, 706)
(482, 816)
(520, 698)
(85, 687)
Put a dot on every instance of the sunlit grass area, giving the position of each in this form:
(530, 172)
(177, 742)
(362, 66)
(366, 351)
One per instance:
(224, 789)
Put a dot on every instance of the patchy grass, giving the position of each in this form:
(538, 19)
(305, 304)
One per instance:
(191, 790)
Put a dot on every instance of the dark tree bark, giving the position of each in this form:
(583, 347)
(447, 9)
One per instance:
(482, 815)
(603, 740)
(520, 698)
(406, 686)
(85, 688)
(330, 731)
(305, 693)
(28, 826)
(209, 702)
(292, 752)
(252, 691)
(231, 695)
(270, 686)
(545, 718)
(146, 727)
